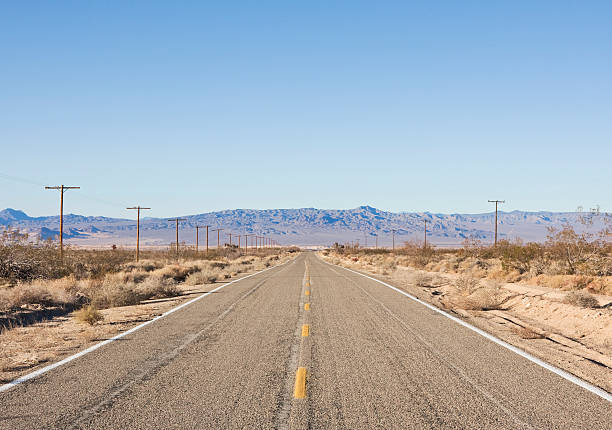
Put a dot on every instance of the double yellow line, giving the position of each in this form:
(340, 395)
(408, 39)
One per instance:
(299, 390)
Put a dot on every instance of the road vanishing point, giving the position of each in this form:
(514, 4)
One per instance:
(303, 345)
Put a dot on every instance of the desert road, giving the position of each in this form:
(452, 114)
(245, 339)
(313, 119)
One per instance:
(303, 345)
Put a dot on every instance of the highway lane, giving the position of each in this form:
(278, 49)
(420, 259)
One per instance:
(372, 359)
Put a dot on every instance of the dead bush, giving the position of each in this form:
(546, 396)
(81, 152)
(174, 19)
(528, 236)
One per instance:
(206, 276)
(423, 280)
(111, 295)
(89, 315)
(466, 285)
(581, 299)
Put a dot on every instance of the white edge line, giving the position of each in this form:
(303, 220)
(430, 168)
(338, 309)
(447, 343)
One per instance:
(562, 373)
(92, 348)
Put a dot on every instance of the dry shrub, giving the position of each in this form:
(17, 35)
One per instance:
(467, 285)
(482, 298)
(62, 292)
(581, 299)
(157, 288)
(111, 295)
(176, 272)
(423, 280)
(205, 276)
(89, 315)
(527, 333)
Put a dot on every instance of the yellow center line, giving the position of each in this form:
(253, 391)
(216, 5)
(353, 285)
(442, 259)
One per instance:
(299, 392)
(307, 292)
(306, 306)
(305, 330)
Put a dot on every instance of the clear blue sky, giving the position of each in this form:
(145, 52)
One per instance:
(190, 107)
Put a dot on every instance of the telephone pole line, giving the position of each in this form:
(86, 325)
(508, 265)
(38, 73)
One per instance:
(138, 208)
(496, 203)
(177, 238)
(62, 190)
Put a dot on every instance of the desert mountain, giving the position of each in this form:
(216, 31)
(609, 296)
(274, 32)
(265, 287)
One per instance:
(306, 226)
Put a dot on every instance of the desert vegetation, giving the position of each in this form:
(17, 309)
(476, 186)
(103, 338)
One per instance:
(568, 260)
(35, 283)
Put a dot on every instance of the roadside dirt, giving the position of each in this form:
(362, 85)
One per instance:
(538, 320)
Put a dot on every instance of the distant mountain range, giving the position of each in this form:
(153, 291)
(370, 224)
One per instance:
(307, 226)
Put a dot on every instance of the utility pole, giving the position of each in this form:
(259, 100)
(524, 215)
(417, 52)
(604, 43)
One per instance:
(138, 208)
(238, 242)
(62, 190)
(230, 238)
(496, 203)
(218, 230)
(394, 238)
(198, 227)
(425, 243)
(177, 240)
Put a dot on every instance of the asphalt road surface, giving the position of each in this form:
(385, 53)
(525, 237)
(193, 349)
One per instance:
(302, 345)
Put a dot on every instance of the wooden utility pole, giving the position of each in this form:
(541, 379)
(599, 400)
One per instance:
(425, 242)
(198, 227)
(394, 238)
(177, 238)
(62, 189)
(230, 238)
(138, 208)
(218, 235)
(496, 203)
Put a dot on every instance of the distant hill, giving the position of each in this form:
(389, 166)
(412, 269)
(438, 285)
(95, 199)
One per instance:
(306, 226)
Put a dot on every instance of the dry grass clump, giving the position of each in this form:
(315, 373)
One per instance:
(111, 294)
(89, 315)
(581, 299)
(472, 295)
(176, 272)
(62, 292)
(204, 276)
